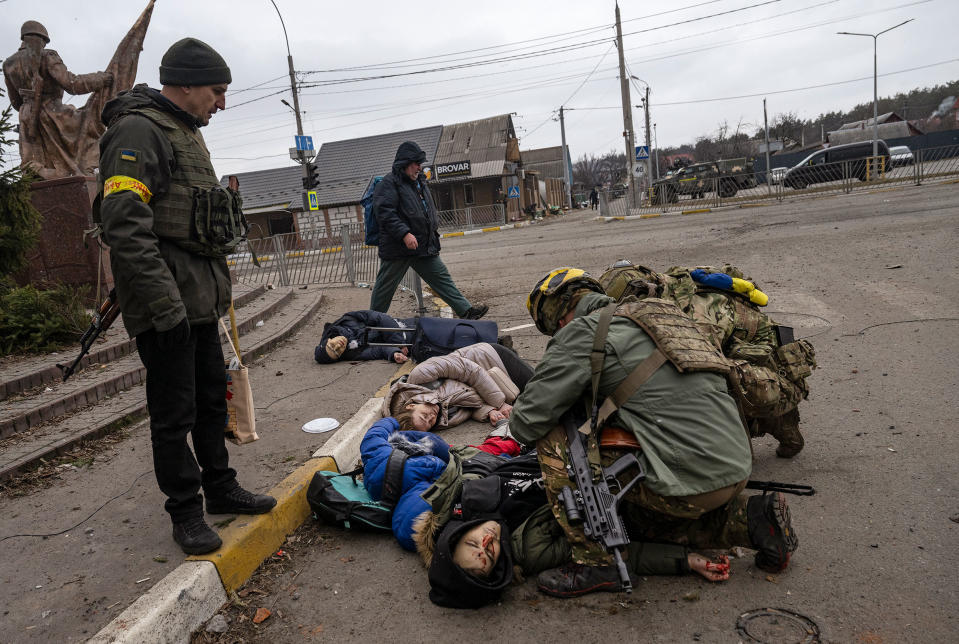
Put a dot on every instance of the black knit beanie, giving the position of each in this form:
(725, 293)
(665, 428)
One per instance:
(192, 62)
(453, 587)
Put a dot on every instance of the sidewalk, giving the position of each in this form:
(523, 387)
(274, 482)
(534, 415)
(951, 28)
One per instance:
(67, 586)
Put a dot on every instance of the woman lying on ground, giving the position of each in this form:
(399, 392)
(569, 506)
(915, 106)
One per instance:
(349, 338)
(478, 381)
(473, 513)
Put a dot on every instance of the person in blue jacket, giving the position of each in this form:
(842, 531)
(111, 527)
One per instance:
(349, 338)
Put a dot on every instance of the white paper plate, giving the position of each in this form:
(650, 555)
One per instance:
(320, 425)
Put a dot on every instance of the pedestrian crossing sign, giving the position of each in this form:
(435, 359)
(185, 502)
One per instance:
(314, 203)
(512, 192)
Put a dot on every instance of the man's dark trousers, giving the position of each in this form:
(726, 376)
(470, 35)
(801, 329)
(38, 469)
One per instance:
(186, 394)
(431, 269)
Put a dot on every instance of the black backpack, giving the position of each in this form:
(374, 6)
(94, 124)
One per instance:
(339, 499)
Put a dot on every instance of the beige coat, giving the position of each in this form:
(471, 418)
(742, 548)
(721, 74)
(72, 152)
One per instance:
(470, 382)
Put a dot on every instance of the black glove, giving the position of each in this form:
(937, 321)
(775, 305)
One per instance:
(178, 336)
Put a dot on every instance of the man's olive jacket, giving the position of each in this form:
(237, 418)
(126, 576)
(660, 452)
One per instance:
(687, 424)
(158, 283)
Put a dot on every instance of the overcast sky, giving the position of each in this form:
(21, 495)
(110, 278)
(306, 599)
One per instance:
(696, 55)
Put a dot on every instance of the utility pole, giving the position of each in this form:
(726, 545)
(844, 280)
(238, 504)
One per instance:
(627, 110)
(649, 158)
(567, 172)
(769, 186)
(301, 156)
(656, 143)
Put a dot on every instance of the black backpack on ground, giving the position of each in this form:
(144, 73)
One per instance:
(339, 499)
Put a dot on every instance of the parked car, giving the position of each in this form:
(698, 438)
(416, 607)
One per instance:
(726, 176)
(776, 175)
(901, 155)
(830, 164)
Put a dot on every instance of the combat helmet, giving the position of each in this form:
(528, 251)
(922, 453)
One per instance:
(34, 28)
(623, 278)
(550, 298)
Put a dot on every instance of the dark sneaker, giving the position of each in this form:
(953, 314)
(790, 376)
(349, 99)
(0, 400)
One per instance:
(771, 531)
(195, 537)
(239, 501)
(475, 312)
(505, 341)
(573, 580)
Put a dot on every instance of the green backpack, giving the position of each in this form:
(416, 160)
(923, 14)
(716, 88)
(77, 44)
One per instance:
(339, 499)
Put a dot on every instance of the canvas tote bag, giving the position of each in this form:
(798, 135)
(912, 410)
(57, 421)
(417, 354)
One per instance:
(241, 417)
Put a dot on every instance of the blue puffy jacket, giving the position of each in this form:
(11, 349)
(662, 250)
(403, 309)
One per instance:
(419, 472)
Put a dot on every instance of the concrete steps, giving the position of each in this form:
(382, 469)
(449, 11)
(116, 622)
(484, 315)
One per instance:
(109, 396)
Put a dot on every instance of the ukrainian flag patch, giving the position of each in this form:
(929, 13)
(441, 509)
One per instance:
(128, 155)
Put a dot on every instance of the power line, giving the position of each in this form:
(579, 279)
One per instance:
(533, 54)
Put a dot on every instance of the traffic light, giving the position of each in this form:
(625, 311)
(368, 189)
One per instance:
(312, 178)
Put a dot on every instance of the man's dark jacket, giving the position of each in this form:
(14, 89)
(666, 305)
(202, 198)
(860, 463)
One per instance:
(402, 206)
(354, 326)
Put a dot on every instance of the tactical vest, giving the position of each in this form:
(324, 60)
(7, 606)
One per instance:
(676, 335)
(196, 213)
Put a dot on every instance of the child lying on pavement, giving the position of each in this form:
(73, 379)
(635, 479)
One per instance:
(348, 338)
(474, 512)
(478, 381)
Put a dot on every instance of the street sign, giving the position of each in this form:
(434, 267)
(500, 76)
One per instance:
(774, 146)
(512, 192)
(304, 142)
(642, 152)
(639, 169)
(314, 203)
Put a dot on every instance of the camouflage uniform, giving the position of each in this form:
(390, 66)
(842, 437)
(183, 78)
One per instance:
(647, 515)
(694, 448)
(769, 380)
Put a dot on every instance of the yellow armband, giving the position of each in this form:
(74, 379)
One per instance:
(119, 183)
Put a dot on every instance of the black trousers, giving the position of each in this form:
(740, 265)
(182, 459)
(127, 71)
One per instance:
(186, 395)
(516, 368)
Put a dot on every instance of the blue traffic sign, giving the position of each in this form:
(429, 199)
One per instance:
(314, 202)
(642, 152)
(512, 192)
(304, 142)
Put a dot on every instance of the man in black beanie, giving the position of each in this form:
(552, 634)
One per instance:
(169, 226)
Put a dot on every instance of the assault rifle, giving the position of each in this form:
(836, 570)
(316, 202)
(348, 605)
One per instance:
(785, 488)
(102, 320)
(593, 503)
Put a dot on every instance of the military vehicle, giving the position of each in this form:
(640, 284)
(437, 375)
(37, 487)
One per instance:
(726, 176)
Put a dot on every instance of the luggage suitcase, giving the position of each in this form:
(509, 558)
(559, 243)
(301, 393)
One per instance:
(440, 336)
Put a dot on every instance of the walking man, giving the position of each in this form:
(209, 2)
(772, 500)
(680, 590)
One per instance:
(169, 226)
(409, 237)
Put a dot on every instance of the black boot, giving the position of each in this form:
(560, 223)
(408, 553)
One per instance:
(195, 536)
(475, 312)
(239, 501)
(573, 580)
(771, 531)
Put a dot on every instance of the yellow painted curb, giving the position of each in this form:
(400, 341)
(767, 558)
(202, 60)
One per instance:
(751, 205)
(456, 234)
(492, 229)
(651, 215)
(335, 249)
(698, 210)
(249, 540)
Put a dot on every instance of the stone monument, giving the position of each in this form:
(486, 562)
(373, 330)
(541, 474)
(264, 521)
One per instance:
(59, 142)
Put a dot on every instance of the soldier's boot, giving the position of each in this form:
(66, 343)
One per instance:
(771, 531)
(784, 429)
(573, 580)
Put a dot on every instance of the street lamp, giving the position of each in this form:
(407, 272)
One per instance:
(875, 81)
(645, 107)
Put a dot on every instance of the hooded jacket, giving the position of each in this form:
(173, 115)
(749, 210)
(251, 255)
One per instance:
(353, 326)
(460, 383)
(158, 283)
(402, 206)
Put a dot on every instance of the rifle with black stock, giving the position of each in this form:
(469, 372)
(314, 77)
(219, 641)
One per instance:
(102, 319)
(593, 503)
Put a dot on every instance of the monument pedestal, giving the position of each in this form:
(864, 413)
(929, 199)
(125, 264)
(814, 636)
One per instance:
(62, 255)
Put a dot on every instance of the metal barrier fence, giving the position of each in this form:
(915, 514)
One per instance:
(314, 257)
(928, 165)
(472, 217)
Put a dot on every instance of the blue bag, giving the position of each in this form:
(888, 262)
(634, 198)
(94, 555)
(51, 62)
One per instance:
(370, 225)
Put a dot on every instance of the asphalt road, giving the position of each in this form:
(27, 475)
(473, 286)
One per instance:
(869, 278)
(857, 275)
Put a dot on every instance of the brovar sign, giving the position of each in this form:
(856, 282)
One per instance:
(456, 169)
